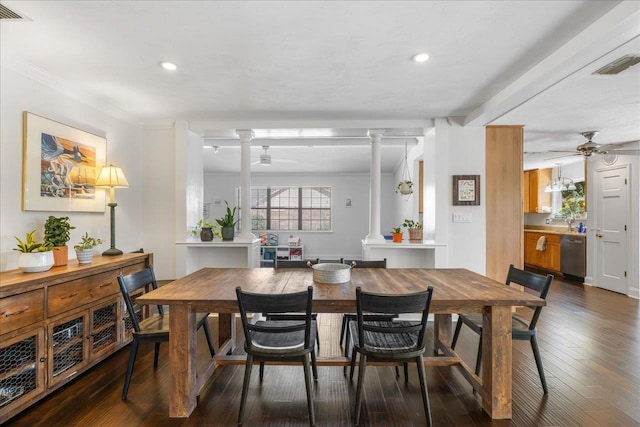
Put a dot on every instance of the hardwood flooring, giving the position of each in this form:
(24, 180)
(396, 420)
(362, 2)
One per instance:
(589, 340)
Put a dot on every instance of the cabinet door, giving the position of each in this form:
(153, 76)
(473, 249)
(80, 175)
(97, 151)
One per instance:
(22, 369)
(68, 350)
(103, 332)
(526, 192)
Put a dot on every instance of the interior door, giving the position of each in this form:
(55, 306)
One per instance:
(612, 213)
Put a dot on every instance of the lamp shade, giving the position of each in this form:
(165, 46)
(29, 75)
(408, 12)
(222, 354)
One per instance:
(112, 177)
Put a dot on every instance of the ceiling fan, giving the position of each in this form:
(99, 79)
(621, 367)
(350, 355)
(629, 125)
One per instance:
(590, 147)
(265, 159)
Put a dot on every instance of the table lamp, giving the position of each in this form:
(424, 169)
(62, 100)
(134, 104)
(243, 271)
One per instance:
(112, 177)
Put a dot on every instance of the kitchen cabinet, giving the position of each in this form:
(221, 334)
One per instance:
(549, 259)
(59, 323)
(535, 200)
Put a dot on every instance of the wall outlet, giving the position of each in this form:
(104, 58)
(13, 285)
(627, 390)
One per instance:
(462, 217)
(547, 221)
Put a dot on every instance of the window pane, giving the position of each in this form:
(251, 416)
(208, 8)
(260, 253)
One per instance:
(280, 208)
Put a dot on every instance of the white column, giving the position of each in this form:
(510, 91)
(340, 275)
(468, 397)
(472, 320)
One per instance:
(374, 196)
(245, 185)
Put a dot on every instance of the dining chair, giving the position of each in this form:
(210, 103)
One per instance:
(278, 340)
(154, 328)
(390, 341)
(521, 328)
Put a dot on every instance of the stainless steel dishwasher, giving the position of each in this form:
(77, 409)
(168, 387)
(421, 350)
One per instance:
(573, 255)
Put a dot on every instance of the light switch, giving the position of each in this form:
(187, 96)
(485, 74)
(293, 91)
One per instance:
(462, 217)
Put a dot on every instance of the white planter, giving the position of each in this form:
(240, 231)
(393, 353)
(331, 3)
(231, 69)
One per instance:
(404, 188)
(33, 262)
(84, 256)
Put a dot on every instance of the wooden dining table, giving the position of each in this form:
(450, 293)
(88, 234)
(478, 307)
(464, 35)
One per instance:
(455, 290)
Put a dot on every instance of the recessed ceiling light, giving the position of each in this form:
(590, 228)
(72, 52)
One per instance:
(169, 66)
(420, 57)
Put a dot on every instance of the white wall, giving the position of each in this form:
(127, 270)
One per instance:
(349, 225)
(20, 93)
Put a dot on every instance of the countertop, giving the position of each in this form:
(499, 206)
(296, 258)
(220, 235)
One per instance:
(553, 230)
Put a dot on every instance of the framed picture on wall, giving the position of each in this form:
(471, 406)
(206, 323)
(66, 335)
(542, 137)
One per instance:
(466, 189)
(60, 166)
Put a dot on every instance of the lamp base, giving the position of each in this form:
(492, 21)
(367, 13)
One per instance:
(111, 252)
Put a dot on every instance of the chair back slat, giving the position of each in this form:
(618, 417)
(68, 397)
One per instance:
(366, 264)
(249, 302)
(418, 302)
(285, 263)
(536, 282)
(133, 282)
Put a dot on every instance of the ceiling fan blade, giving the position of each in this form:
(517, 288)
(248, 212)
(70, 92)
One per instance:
(562, 151)
(257, 162)
(624, 152)
(560, 157)
(283, 161)
(608, 147)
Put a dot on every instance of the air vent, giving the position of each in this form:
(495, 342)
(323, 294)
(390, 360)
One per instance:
(619, 65)
(6, 13)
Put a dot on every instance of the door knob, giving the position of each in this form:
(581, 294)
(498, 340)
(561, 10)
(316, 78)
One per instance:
(598, 235)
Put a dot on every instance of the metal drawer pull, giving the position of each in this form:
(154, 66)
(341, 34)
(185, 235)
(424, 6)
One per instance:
(69, 296)
(105, 285)
(15, 313)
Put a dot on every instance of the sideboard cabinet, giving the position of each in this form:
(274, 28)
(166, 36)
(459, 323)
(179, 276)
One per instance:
(57, 324)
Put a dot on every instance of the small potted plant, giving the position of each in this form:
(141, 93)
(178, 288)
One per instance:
(84, 249)
(228, 223)
(397, 235)
(415, 230)
(206, 229)
(404, 187)
(56, 233)
(34, 257)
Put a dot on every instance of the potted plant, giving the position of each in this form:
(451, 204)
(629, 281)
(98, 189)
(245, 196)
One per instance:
(84, 249)
(34, 256)
(206, 229)
(228, 223)
(397, 235)
(404, 187)
(56, 233)
(415, 230)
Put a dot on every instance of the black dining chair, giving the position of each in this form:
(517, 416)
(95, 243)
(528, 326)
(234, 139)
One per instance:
(390, 341)
(521, 328)
(278, 340)
(154, 328)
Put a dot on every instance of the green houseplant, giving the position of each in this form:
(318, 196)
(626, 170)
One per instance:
(84, 249)
(34, 256)
(206, 229)
(397, 234)
(57, 233)
(228, 223)
(415, 230)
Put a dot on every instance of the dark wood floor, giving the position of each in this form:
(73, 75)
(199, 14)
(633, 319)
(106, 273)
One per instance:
(590, 344)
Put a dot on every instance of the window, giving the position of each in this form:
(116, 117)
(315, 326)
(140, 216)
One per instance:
(291, 208)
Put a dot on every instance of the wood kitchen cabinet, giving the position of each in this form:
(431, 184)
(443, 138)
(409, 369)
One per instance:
(535, 199)
(57, 324)
(549, 259)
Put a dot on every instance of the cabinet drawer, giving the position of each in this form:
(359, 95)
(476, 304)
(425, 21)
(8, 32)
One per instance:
(76, 293)
(21, 310)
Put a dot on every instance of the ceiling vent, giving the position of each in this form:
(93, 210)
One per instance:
(6, 13)
(619, 65)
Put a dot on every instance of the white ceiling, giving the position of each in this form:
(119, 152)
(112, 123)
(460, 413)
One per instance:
(339, 65)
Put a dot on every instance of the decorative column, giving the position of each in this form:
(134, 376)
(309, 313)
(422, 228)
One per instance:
(245, 185)
(375, 178)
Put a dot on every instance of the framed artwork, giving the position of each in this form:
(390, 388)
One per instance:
(60, 165)
(466, 189)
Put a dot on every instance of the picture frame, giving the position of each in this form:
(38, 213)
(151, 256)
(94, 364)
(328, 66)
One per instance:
(466, 190)
(60, 165)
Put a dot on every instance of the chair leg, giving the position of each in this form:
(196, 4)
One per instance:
(456, 334)
(307, 382)
(245, 387)
(314, 365)
(156, 353)
(261, 371)
(353, 363)
(536, 355)
(207, 333)
(318, 339)
(479, 357)
(132, 361)
(406, 372)
(423, 388)
(343, 329)
(361, 372)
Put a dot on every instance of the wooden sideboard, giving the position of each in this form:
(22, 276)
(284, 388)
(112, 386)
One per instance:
(57, 324)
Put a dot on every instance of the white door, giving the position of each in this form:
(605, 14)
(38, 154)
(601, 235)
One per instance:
(612, 213)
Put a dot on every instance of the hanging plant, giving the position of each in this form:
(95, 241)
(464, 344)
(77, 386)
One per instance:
(405, 186)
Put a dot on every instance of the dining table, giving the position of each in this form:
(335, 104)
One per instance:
(455, 290)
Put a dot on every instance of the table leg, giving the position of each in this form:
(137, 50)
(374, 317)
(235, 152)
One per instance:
(227, 329)
(496, 361)
(182, 361)
(441, 331)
